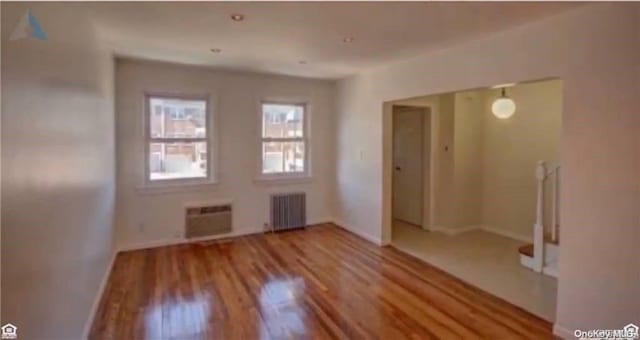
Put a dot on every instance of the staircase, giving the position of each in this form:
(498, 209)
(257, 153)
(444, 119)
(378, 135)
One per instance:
(542, 255)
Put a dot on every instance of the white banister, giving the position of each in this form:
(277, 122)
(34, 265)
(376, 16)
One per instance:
(545, 172)
(554, 203)
(538, 228)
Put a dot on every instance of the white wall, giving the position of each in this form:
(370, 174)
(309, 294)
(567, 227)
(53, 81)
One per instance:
(595, 51)
(444, 161)
(144, 217)
(468, 153)
(512, 147)
(57, 172)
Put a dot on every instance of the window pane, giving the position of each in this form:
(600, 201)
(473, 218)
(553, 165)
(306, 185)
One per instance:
(177, 160)
(177, 118)
(282, 157)
(281, 120)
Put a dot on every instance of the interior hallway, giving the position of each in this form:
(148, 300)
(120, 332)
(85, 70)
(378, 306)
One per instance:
(485, 260)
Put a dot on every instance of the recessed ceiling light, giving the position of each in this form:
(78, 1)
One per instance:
(237, 17)
(216, 50)
(348, 40)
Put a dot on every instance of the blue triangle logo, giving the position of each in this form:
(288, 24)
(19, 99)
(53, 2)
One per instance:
(36, 30)
(28, 27)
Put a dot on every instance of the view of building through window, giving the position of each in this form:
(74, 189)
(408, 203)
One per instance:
(177, 138)
(283, 138)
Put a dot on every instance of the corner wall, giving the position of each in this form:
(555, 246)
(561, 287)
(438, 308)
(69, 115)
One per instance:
(594, 50)
(58, 175)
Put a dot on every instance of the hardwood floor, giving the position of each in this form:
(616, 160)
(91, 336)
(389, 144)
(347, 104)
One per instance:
(320, 283)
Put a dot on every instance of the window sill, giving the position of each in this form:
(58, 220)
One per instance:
(171, 188)
(275, 180)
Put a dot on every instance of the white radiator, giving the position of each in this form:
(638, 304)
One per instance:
(288, 211)
(208, 220)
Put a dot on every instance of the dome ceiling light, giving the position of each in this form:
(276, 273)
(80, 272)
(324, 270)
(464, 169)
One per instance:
(503, 107)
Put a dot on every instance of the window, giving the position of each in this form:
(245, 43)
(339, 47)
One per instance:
(284, 140)
(175, 112)
(177, 139)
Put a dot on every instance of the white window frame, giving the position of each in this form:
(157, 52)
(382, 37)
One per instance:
(208, 139)
(306, 139)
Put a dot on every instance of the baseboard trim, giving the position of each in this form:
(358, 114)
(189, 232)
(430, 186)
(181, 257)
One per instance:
(96, 301)
(563, 332)
(321, 221)
(454, 231)
(359, 233)
(182, 240)
(508, 234)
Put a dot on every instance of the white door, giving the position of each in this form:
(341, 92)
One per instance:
(408, 126)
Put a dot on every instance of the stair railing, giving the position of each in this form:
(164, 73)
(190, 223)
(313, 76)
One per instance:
(538, 227)
(545, 171)
(553, 174)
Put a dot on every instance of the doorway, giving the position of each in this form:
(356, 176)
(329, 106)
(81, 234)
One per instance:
(408, 182)
(488, 210)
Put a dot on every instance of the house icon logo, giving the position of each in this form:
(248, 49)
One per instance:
(9, 331)
(631, 331)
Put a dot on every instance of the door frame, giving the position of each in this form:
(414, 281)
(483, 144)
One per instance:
(430, 105)
(424, 112)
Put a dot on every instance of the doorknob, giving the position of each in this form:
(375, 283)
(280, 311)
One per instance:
(398, 168)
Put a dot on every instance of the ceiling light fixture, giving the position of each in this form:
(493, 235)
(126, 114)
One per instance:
(503, 107)
(216, 50)
(503, 85)
(348, 40)
(237, 17)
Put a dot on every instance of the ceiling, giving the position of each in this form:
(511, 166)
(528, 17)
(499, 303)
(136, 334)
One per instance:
(277, 37)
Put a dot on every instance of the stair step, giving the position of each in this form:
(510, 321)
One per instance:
(526, 250)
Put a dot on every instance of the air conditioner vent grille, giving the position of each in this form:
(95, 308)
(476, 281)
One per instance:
(208, 220)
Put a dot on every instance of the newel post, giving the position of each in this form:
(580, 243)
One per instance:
(538, 228)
